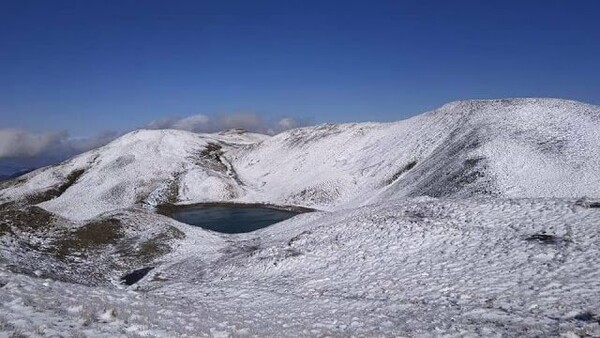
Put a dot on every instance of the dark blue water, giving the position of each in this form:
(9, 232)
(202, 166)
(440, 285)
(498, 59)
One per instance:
(231, 219)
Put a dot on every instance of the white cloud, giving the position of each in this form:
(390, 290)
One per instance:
(19, 143)
(287, 123)
(249, 121)
(79, 145)
(192, 123)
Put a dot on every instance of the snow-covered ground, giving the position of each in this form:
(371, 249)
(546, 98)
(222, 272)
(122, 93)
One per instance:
(480, 218)
(424, 267)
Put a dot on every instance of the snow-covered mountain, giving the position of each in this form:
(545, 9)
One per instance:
(505, 148)
(480, 217)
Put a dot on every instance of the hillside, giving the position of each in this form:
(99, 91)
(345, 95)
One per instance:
(502, 148)
(479, 218)
(507, 148)
(468, 267)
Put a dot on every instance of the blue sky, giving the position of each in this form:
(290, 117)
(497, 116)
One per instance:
(87, 67)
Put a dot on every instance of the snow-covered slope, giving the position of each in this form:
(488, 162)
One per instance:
(505, 148)
(471, 220)
(143, 167)
(510, 148)
(416, 268)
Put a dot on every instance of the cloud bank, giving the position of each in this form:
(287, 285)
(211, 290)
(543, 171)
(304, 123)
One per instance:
(248, 121)
(20, 149)
(18, 143)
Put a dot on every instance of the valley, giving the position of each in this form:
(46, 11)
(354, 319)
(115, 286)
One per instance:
(478, 218)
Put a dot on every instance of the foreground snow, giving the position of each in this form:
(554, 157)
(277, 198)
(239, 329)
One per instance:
(424, 267)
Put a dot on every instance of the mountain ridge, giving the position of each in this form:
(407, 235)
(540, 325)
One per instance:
(462, 149)
(469, 219)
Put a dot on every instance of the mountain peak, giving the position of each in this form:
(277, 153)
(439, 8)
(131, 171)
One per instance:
(531, 147)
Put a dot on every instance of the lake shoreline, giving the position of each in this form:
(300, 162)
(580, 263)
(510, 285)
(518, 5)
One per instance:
(169, 209)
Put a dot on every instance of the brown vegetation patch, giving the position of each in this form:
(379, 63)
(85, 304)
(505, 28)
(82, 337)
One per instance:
(210, 157)
(93, 235)
(157, 246)
(30, 219)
